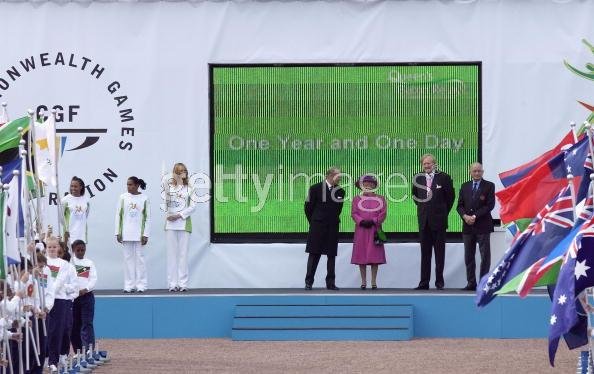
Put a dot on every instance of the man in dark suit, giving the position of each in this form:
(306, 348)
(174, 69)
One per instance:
(322, 209)
(475, 203)
(433, 193)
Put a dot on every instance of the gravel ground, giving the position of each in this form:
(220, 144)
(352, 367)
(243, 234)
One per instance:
(459, 356)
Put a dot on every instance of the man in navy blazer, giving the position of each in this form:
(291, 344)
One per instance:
(475, 203)
(433, 193)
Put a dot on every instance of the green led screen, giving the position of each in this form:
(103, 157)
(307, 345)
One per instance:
(275, 129)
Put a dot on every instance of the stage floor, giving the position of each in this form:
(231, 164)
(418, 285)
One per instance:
(301, 292)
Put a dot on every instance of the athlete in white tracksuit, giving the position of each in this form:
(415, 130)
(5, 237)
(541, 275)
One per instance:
(76, 211)
(132, 227)
(178, 227)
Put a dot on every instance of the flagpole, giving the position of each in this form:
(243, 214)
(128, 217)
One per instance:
(589, 290)
(2, 309)
(572, 191)
(575, 137)
(5, 269)
(27, 235)
(61, 222)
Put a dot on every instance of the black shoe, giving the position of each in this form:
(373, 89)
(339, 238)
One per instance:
(440, 287)
(374, 286)
(332, 287)
(419, 287)
(308, 287)
(468, 288)
(363, 287)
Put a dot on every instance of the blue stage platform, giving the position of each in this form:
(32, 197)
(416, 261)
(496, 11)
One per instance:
(209, 313)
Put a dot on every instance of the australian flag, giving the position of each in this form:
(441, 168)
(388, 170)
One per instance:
(548, 228)
(576, 274)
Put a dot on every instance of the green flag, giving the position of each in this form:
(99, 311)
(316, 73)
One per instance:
(10, 135)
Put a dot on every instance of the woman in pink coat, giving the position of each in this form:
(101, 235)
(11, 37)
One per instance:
(368, 212)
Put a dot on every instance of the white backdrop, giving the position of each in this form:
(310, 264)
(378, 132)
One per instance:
(159, 51)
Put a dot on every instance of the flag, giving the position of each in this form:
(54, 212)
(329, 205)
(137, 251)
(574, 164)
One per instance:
(576, 274)
(549, 226)
(545, 271)
(517, 174)
(9, 134)
(83, 271)
(14, 220)
(525, 198)
(45, 151)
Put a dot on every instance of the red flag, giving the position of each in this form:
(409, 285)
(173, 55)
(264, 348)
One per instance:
(515, 175)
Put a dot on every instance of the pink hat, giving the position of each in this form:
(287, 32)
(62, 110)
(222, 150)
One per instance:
(366, 178)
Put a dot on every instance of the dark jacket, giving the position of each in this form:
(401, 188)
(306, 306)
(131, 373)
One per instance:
(433, 208)
(322, 209)
(480, 204)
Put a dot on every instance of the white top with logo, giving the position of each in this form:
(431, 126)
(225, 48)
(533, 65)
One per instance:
(180, 202)
(132, 219)
(76, 212)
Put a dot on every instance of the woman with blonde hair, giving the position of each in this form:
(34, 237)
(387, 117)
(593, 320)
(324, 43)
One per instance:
(178, 226)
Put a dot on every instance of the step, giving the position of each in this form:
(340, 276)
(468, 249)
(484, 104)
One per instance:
(323, 322)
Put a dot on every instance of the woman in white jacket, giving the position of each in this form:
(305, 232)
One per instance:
(132, 227)
(76, 212)
(178, 227)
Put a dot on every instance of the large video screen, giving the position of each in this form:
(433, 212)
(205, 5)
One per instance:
(276, 129)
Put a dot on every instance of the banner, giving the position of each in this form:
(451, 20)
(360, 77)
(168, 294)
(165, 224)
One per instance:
(130, 84)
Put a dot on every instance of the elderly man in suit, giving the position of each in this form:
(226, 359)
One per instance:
(475, 203)
(433, 193)
(322, 209)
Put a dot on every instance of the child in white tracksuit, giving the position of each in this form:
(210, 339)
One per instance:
(64, 283)
(178, 228)
(132, 227)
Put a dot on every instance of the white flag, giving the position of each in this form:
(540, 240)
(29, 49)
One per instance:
(45, 151)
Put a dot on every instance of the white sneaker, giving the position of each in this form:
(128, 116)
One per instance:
(53, 369)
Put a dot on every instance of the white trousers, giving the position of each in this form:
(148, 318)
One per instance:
(177, 258)
(134, 267)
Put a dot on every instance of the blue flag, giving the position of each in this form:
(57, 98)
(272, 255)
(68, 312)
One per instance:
(576, 274)
(550, 226)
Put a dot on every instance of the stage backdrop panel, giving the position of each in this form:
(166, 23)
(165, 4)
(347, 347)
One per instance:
(276, 129)
(130, 82)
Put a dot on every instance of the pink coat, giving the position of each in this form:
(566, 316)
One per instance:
(368, 207)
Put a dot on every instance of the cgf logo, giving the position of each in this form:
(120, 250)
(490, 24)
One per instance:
(72, 135)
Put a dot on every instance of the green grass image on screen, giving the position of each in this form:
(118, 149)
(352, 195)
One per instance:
(280, 125)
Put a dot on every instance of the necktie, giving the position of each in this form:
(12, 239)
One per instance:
(474, 187)
(429, 179)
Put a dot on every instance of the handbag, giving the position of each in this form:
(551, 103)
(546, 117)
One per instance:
(379, 237)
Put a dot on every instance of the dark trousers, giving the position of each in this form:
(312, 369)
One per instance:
(60, 319)
(83, 333)
(14, 353)
(312, 265)
(484, 243)
(432, 240)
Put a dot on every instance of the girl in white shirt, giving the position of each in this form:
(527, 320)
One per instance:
(178, 228)
(132, 227)
(76, 212)
(64, 283)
